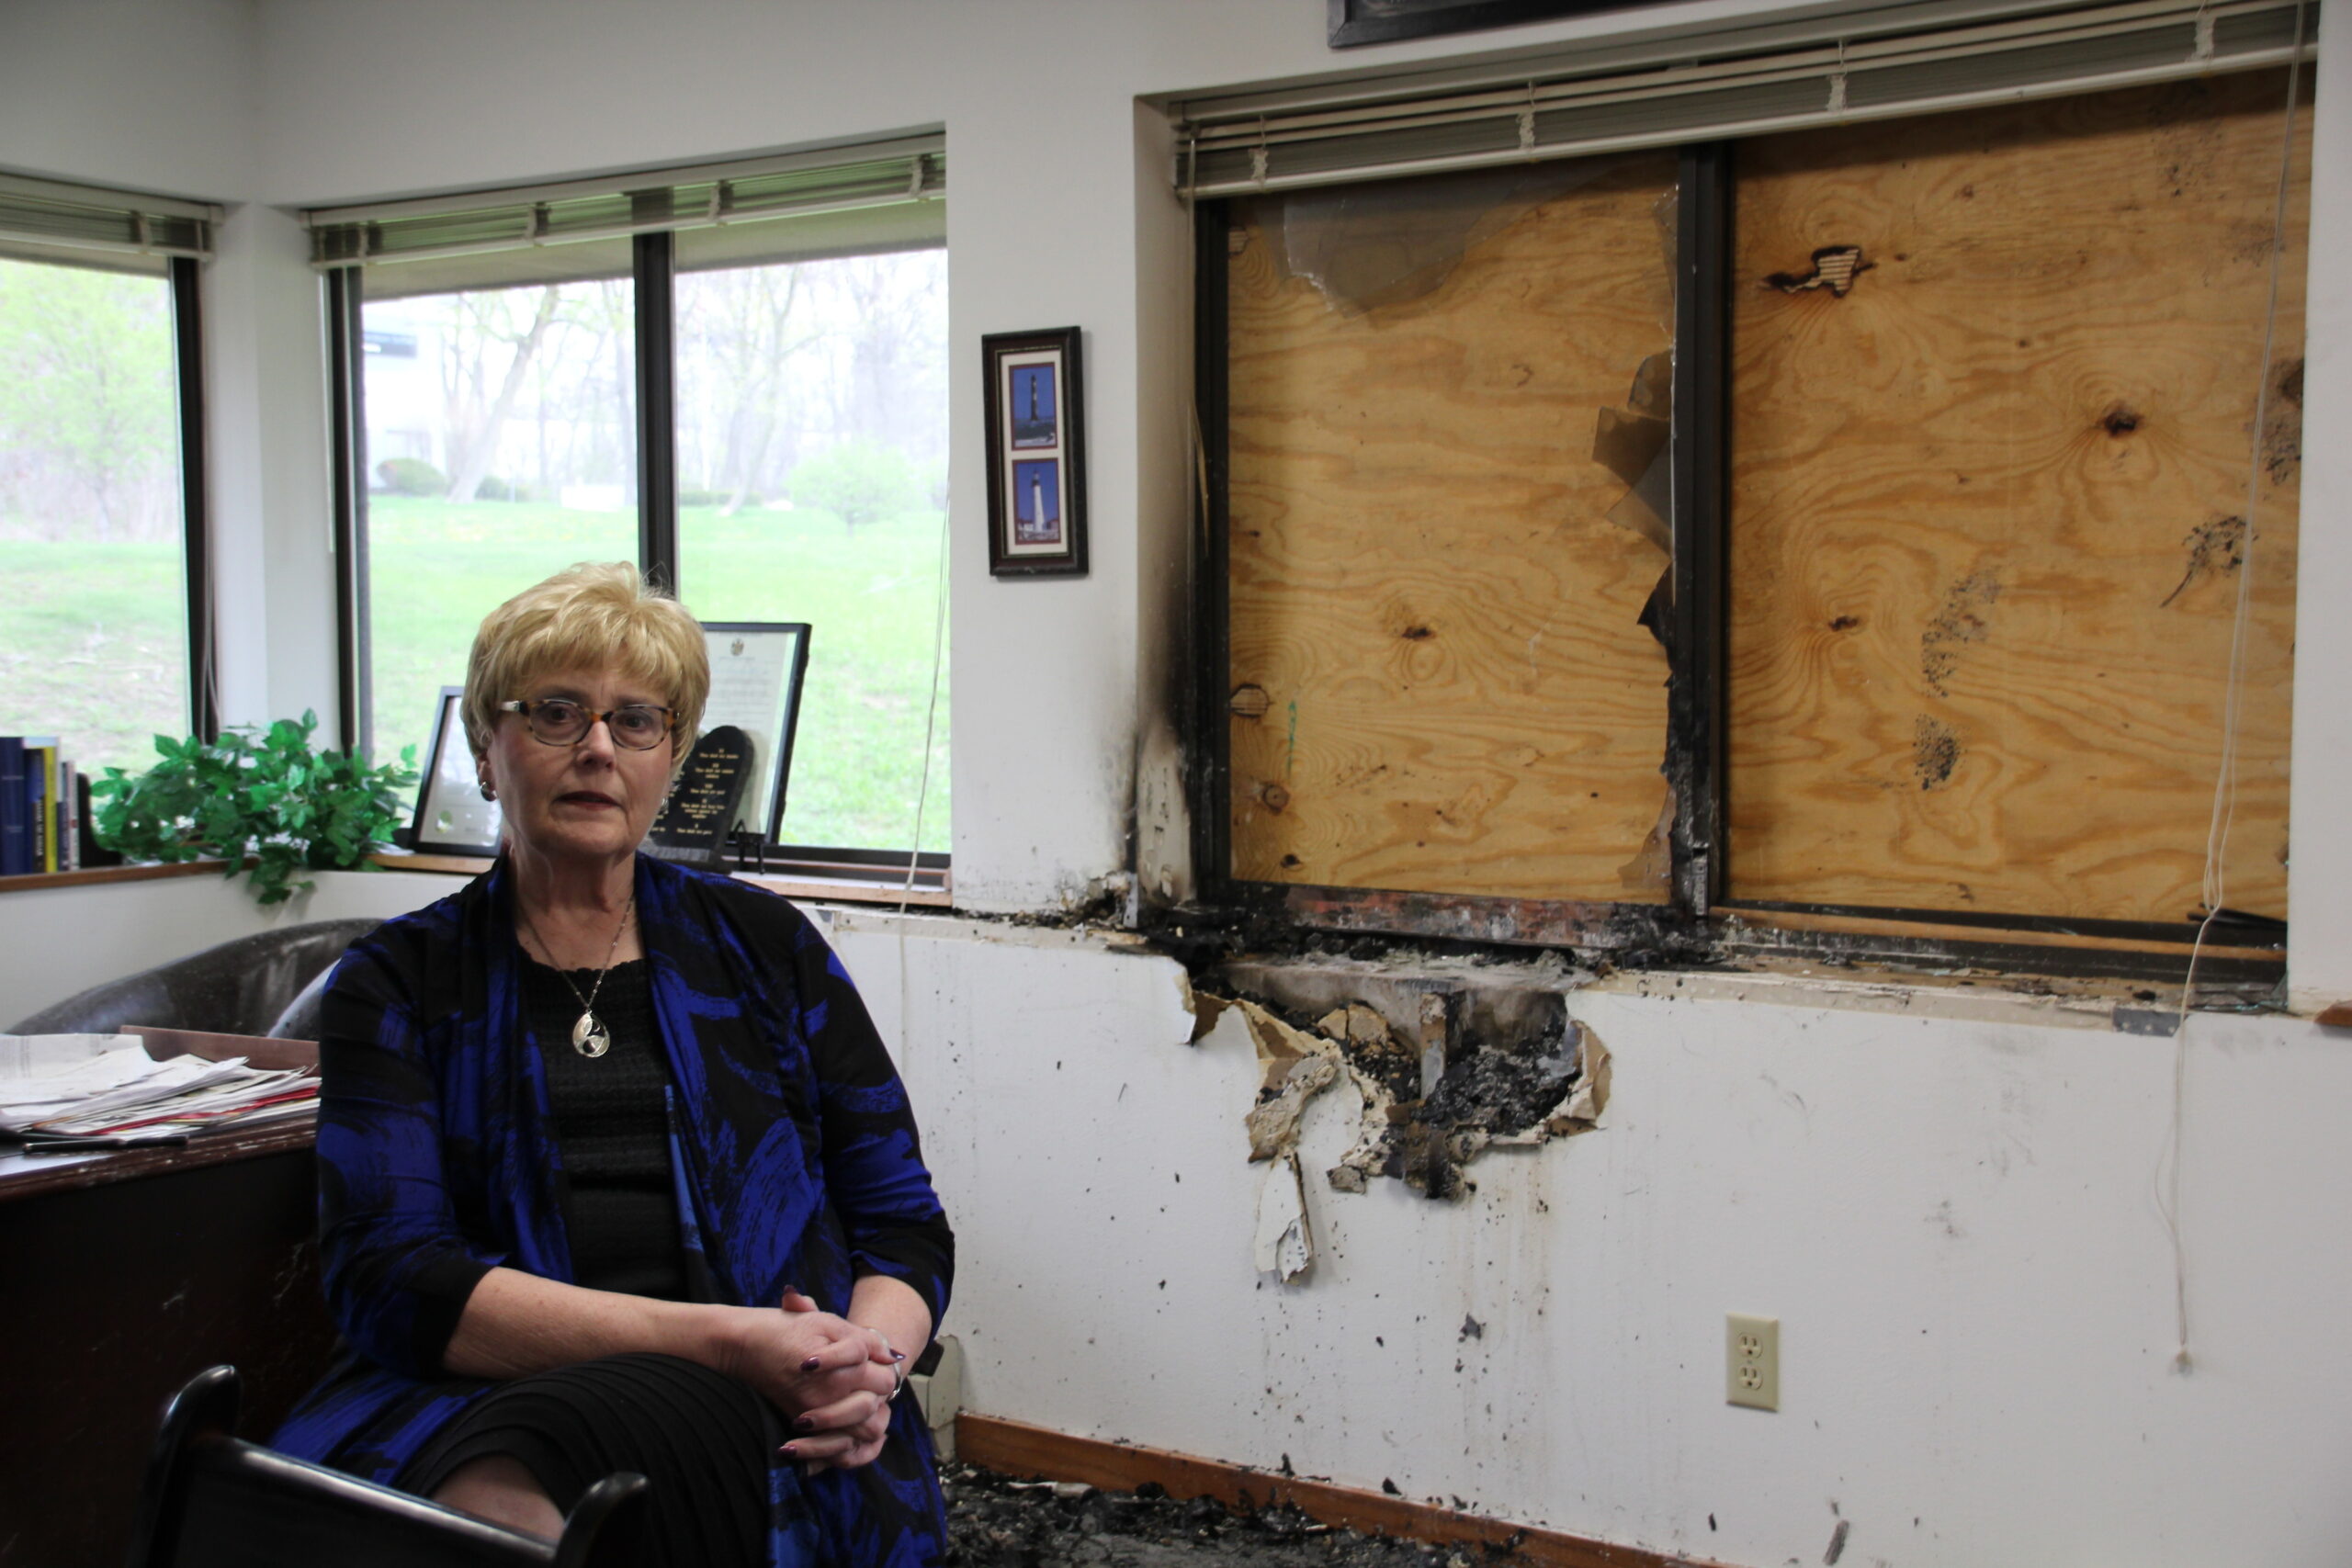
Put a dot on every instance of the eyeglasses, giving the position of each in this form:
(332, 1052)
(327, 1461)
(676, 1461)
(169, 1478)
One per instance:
(560, 721)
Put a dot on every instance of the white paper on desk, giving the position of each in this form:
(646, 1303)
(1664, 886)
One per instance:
(39, 1058)
(227, 1099)
(44, 1069)
(162, 1081)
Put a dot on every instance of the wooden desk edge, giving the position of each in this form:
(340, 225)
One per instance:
(24, 1175)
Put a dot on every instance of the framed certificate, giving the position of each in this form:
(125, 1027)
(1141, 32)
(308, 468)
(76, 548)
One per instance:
(452, 819)
(757, 669)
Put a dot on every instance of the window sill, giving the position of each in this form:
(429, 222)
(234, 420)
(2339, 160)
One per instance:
(42, 881)
(940, 894)
(936, 891)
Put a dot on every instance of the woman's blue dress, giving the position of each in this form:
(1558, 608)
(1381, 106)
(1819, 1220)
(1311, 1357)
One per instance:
(792, 1146)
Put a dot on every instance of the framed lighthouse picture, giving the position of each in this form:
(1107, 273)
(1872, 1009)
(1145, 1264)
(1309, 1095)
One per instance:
(1036, 454)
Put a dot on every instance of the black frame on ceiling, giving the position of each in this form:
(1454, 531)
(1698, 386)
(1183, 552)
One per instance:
(653, 296)
(1697, 919)
(1354, 22)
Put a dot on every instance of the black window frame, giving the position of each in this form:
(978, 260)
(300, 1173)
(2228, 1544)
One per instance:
(186, 279)
(1698, 923)
(653, 276)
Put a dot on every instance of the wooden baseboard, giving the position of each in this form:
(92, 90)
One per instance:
(1013, 1448)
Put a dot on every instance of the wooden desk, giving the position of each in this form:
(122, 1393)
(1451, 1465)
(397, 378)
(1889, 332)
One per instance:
(122, 1275)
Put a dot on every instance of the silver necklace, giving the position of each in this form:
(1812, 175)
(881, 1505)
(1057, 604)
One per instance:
(589, 1035)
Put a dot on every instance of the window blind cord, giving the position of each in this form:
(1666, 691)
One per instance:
(923, 787)
(2214, 886)
(931, 713)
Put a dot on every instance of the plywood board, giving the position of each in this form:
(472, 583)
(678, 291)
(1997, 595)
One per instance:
(1989, 503)
(1441, 680)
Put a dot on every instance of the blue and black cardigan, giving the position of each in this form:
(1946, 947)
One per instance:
(792, 1146)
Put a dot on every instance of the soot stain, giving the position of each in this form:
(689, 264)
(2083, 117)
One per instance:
(1934, 753)
(2282, 425)
(1958, 622)
(2213, 547)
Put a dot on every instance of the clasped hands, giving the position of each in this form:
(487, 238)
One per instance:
(831, 1377)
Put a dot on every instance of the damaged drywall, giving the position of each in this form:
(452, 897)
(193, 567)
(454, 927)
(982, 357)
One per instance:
(1443, 1072)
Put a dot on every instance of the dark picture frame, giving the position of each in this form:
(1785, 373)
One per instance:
(1037, 414)
(452, 819)
(1355, 22)
(766, 707)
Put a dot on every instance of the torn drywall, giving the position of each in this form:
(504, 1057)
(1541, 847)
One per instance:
(1430, 1098)
(1285, 1246)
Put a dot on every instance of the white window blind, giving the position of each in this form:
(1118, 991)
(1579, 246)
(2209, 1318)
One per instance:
(779, 208)
(85, 226)
(1863, 65)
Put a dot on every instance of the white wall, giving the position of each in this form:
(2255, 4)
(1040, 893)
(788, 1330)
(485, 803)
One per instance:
(62, 941)
(1995, 1369)
(1952, 1220)
(2319, 880)
(135, 94)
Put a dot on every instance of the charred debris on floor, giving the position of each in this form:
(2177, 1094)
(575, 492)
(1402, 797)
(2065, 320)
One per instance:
(995, 1521)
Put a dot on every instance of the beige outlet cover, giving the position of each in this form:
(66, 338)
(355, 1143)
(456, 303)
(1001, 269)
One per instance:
(1752, 1361)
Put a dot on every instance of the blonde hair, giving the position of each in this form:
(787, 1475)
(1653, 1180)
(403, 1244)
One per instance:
(594, 615)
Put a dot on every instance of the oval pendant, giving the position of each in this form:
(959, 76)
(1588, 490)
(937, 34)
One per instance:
(590, 1037)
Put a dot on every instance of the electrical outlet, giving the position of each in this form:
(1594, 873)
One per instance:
(1752, 1361)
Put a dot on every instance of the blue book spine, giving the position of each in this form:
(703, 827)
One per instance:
(16, 856)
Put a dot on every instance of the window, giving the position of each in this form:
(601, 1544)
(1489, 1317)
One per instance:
(1830, 528)
(102, 590)
(735, 374)
(812, 483)
(1438, 570)
(501, 448)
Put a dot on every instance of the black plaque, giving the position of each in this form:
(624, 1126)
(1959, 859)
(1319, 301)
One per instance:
(694, 827)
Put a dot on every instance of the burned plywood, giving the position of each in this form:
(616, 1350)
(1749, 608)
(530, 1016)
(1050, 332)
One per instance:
(1446, 504)
(1994, 398)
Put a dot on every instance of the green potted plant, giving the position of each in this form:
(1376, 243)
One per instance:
(257, 795)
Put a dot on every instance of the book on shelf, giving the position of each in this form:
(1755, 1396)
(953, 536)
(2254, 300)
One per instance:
(45, 816)
(16, 856)
(69, 817)
(40, 802)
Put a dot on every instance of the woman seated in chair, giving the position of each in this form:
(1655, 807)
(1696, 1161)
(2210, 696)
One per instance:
(614, 1172)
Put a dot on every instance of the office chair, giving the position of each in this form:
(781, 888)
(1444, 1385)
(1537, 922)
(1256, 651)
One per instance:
(211, 1500)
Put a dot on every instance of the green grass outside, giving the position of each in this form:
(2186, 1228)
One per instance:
(94, 647)
(437, 569)
(92, 640)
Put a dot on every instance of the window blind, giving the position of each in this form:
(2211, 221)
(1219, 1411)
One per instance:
(783, 205)
(1860, 67)
(86, 226)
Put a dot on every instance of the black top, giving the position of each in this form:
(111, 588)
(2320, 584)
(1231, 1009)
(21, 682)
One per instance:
(612, 1130)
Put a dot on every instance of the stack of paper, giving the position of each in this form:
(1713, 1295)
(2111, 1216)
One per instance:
(107, 1087)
